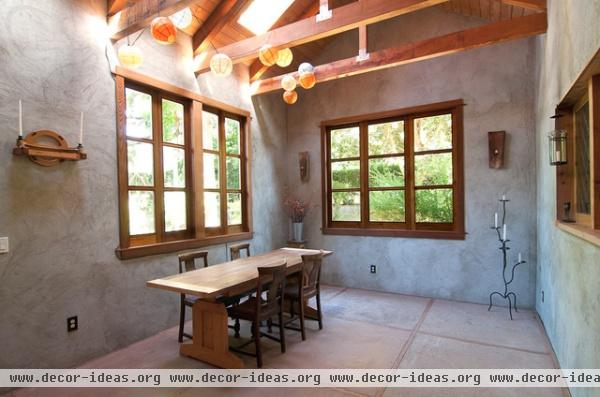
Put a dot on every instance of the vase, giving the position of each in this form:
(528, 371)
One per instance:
(297, 229)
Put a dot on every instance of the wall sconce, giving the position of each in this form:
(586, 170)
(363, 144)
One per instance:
(303, 162)
(558, 147)
(496, 141)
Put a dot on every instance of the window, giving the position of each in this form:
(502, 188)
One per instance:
(262, 14)
(183, 179)
(583, 207)
(395, 174)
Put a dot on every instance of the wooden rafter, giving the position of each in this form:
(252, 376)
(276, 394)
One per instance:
(344, 18)
(536, 5)
(223, 14)
(257, 69)
(422, 50)
(114, 6)
(141, 13)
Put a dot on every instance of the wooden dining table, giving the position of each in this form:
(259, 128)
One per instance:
(210, 341)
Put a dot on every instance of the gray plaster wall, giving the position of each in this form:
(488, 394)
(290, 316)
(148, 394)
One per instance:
(496, 83)
(568, 267)
(63, 221)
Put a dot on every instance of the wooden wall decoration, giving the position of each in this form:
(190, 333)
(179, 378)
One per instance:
(47, 148)
(303, 160)
(496, 148)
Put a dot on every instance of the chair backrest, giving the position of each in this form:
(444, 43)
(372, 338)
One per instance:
(187, 262)
(235, 250)
(311, 270)
(272, 278)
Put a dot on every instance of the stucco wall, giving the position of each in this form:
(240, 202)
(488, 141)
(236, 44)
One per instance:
(63, 221)
(498, 96)
(568, 268)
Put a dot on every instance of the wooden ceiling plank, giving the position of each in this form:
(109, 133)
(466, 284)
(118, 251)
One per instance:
(344, 18)
(223, 14)
(141, 13)
(536, 5)
(422, 50)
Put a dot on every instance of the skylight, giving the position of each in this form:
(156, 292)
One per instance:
(262, 14)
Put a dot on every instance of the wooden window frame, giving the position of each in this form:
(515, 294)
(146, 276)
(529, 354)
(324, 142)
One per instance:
(408, 228)
(196, 235)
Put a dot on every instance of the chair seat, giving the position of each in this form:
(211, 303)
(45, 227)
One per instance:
(291, 292)
(247, 310)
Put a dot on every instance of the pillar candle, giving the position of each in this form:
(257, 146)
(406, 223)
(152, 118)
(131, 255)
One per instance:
(81, 130)
(20, 118)
(496, 219)
(504, 232)
(520, 257)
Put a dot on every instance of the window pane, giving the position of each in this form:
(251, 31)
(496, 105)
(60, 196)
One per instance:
(210, 131)
(345, 143)
(234, 208)
(211, 171)
(174, 166)
(233, 172)
(345, 174)
(582, 161)
(212, 209)
(386, 172)
(433, 169)
(172, 120)
(346, 206)
(232, 136)
(386, 138)
(175, 211)
(140, 163)
(386, 206)
(141, 212)
(432, 133)
(138, 114)
(434, 205)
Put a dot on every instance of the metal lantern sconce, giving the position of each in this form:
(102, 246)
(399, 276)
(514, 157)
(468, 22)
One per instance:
(558, 147)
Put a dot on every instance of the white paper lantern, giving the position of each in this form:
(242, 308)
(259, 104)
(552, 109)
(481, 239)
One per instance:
(221, 65)
(306, 67)
(284, 57)
(131, 57)
(288, 83)
(182, 19)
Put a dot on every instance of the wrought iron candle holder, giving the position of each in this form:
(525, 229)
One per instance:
(510, 296)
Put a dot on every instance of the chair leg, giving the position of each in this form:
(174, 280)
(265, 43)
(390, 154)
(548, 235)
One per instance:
(270, 324)
(301, 304)
(281, 332)
(319, 313)
(256, 327)
(181, 320)
(236, 328)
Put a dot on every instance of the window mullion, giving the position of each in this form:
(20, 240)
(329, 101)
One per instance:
(223, 173)
(364, 174)
(409, 180)
(159, 209)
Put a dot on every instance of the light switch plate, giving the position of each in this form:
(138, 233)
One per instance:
(3, 245)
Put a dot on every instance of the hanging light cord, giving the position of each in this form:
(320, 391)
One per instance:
(136, 39)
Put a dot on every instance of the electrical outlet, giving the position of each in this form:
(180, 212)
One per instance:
(373, 269)
(72, 324)
(3, 245)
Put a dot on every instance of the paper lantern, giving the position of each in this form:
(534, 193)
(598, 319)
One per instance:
(305, 67)
(288, 83)
(267, 55)
(284, 57)
(290, 97)
(131, 57)
(221, 65)
(307, 80)
(182, 19)
(163, 30)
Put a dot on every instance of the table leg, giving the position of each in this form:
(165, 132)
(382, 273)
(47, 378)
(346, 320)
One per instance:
(211, 336)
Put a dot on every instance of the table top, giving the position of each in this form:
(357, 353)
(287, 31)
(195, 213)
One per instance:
(230, 278)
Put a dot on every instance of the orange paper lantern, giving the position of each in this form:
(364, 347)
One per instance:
(163, 30)
(307, 80)
(267, 55)
(290, 97)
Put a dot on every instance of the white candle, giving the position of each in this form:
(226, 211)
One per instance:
(558, 157)
(503, 197)
(519, 257)
(20, 119)
(496, 219)
(504, 232)
(81, 130)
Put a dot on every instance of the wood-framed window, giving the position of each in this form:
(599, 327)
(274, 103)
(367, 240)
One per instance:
(397, 173)
(183, 169)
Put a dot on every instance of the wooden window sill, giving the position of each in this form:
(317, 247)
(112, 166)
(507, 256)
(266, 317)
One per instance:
(427, 234)
(583, 232)
(180, 245)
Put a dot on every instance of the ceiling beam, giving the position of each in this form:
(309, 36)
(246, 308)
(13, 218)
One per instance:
(422, 50)
(225, 12)
(140, 14)
(257, 69)
(536, 5)
(114, 6)
(344, 18)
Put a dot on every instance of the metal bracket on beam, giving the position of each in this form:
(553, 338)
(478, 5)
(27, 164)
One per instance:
(324, 13)
(363, 55)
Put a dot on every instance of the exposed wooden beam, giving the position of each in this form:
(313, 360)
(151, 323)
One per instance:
(141, 13)
(422, 50)
(225, 12)
(114, 6)
(257, 69)
(344, 18)
(537, 5)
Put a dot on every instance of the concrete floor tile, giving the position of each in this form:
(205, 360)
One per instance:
(473, 322)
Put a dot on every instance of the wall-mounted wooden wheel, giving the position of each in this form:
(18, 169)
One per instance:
(46, 138)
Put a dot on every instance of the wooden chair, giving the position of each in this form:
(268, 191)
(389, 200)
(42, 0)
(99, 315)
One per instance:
(187, 262)
(309, 286)
(271, 279)
(235, 251)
